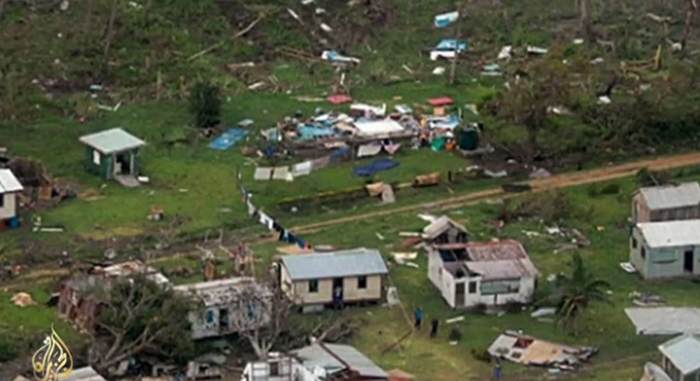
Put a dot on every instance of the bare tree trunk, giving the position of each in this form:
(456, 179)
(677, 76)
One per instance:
(585, 20)
(109, 36)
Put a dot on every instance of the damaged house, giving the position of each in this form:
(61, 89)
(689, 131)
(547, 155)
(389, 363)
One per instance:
(228, 305)
(78, 308)
(666, 249)
(482, 273)
(10, 187)
(320, 279)
(529, 350)
(316, 362)
(666, 203)
(680, 358)
(445, 230)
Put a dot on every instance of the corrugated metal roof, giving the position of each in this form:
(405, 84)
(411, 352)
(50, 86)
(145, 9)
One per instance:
(438, 226)
(670, 233)
(683, 352)
(83, 374)
(220, 291)
(671, 196)
(316, 356)
(8, 182)
(503, 259)
(111, 141)
(336, 264)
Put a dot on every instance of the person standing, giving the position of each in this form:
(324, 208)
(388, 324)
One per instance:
(417, 318)
(434, 328)
(497, 370)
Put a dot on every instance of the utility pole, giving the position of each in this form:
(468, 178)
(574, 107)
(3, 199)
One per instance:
(458, 33)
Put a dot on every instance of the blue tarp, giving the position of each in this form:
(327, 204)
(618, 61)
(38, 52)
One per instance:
(339, 152)
(307, 131)
(375, 166)
(226, 140)
(449, 44)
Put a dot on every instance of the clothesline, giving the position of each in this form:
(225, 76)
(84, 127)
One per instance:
(269, 222)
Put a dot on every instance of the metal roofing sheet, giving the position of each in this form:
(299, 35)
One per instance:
(440, 225)
(683, 352)
(670, 233)
(671, 196)
(335, 264)
(111, 141)
(316, 355)
(8, 182)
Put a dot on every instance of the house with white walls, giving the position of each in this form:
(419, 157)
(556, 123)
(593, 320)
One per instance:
(488, 273)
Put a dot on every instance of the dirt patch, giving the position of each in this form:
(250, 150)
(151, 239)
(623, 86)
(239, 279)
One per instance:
(119, 232)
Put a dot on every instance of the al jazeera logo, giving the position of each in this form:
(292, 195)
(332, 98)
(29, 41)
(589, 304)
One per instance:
(53, 360)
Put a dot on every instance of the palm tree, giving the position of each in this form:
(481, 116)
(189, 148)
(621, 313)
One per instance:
(573, 292)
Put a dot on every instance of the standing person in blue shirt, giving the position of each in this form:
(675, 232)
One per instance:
(417, 318)
(497, 370)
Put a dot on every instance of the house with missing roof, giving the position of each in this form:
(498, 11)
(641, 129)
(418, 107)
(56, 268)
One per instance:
(666, 203)
(227, 306)
(340, 277)
(668, 249)
(114, 154)
(680, 358)
(10, 187)
(488, 273)
(75, 303)
(316, 362)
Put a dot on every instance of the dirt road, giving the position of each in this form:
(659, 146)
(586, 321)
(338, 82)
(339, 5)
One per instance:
(538, 185)
(558, 181)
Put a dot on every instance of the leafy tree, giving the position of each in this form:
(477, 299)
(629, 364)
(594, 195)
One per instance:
(536, 87)
(574, 292)
(137, 315)
(205, 105)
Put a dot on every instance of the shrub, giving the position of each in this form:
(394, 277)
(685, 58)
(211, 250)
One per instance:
(612, 188)
(205, 105)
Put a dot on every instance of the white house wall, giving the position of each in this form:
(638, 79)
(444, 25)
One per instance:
(441, 279)
(9, 208)
(660, 263)
(446, 284)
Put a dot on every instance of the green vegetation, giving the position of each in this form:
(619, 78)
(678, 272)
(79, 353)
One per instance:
(602, 218)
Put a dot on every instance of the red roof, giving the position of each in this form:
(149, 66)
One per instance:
(440, 101)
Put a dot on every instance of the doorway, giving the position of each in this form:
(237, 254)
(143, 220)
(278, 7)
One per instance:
(688, 259)
(223, 319)
(122, 164)
(459, 295)
(338, 292)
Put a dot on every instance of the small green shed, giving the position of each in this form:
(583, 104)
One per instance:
(113, 154)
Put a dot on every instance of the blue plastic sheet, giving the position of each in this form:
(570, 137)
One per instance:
(375, 166)
(226, 140)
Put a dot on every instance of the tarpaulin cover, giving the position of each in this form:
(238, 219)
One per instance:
(375, 166)
(228, 138)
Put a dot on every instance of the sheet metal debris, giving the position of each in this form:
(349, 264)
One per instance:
(529, 350)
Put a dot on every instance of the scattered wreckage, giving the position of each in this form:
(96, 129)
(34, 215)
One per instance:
(528, 350)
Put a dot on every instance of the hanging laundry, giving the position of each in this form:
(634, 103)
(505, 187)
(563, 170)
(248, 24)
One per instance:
(291, 238)
(277, 227)
(251, 208)
(266, 220)
(301, 243)
(368, 150)
(284, 235)
(392, 148)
